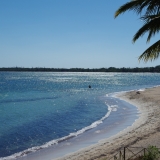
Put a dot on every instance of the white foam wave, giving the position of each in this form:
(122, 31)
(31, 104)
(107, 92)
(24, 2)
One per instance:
(53, 142)
(141, 90)
(114, 107)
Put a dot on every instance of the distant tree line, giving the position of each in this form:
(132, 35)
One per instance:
(110, 69)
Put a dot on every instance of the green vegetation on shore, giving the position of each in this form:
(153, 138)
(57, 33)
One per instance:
(110, 69)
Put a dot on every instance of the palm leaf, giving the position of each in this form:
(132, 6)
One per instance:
(149, 7)
(133, 5)
(153, 7)
(152, 26)
(151, 53)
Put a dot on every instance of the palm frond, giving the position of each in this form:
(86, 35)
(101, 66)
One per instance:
(138, 6)
(149, 11)
(153, 7)
(133, 5)
(151, 53)
(152, 25)
(148, 18)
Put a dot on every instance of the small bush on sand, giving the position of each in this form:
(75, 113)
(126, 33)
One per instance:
(153, 153)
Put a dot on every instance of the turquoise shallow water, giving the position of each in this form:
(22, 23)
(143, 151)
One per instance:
(37, 108)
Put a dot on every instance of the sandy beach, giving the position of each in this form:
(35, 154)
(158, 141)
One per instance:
(144, 132)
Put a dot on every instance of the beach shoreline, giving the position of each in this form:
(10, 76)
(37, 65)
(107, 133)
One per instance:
(111, 125)
(143, 132)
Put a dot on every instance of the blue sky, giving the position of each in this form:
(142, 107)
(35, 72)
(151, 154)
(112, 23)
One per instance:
(69, 34)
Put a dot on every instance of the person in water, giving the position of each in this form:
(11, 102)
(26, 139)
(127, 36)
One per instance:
(89, 86)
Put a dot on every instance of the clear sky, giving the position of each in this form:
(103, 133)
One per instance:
(69, 34)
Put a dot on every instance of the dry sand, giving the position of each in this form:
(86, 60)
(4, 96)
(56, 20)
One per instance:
(144, 132)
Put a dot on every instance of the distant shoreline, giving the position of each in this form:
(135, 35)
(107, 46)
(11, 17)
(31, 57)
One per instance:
(155, 69)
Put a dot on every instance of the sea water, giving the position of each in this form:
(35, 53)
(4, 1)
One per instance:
(39, 109)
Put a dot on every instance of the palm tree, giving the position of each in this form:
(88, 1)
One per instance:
(150, 11)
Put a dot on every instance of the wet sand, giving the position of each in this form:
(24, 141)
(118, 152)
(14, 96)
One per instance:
(145, 130)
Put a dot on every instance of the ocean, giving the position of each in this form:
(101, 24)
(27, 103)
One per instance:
(43, 109)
